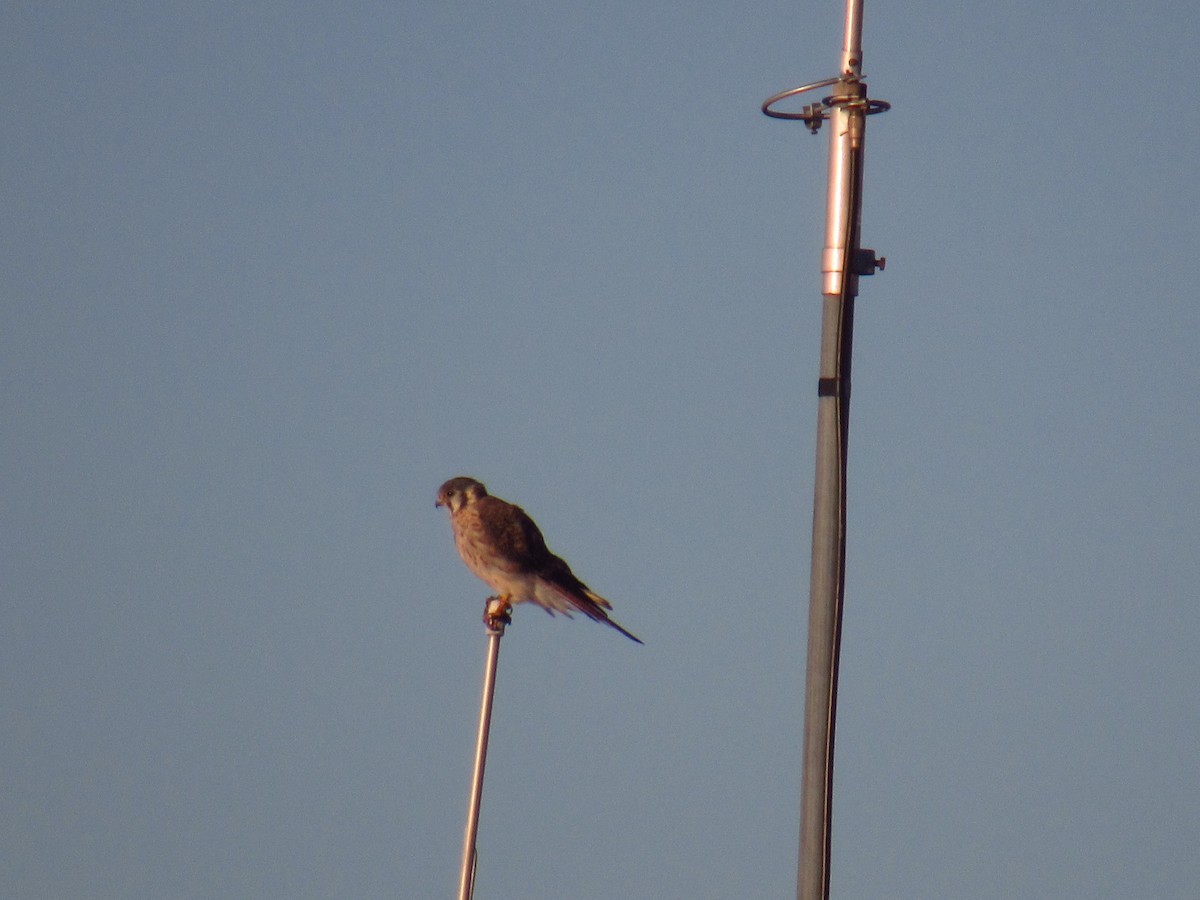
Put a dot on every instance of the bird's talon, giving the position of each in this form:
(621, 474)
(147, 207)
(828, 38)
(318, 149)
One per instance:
(497, 612)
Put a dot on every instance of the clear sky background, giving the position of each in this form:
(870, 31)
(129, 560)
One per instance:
(272, 272)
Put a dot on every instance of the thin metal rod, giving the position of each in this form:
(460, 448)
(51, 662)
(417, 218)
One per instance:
(852, 39)
(494, 621)
(839, 286)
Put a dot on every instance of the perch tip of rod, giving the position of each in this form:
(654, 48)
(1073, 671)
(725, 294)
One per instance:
(497, 614)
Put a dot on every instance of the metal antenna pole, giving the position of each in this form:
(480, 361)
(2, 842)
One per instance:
(842, 262)
(496, 616)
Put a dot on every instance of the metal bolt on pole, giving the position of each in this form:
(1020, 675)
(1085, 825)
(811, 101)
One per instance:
(842, 262)
(497, 615)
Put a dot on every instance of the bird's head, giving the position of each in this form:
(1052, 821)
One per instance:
(458, 492)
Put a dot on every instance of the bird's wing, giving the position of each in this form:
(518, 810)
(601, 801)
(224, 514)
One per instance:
(518, 544)
(520, 547)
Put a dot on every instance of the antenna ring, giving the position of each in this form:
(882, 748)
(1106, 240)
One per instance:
(792, 92)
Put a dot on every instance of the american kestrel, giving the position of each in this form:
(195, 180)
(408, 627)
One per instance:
(502, 546)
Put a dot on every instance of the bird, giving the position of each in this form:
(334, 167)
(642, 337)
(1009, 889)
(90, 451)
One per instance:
(503, 547)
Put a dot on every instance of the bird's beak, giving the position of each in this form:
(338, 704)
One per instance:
(437, 503)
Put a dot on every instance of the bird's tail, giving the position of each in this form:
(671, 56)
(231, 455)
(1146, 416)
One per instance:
(599, 614)
(628, 634)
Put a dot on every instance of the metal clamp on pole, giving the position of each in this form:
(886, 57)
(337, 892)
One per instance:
(846, 107)
(497, 614)
(814, 114)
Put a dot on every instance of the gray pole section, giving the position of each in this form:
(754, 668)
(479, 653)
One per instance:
(496, 616)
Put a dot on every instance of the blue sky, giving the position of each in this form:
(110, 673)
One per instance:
(274, 272)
